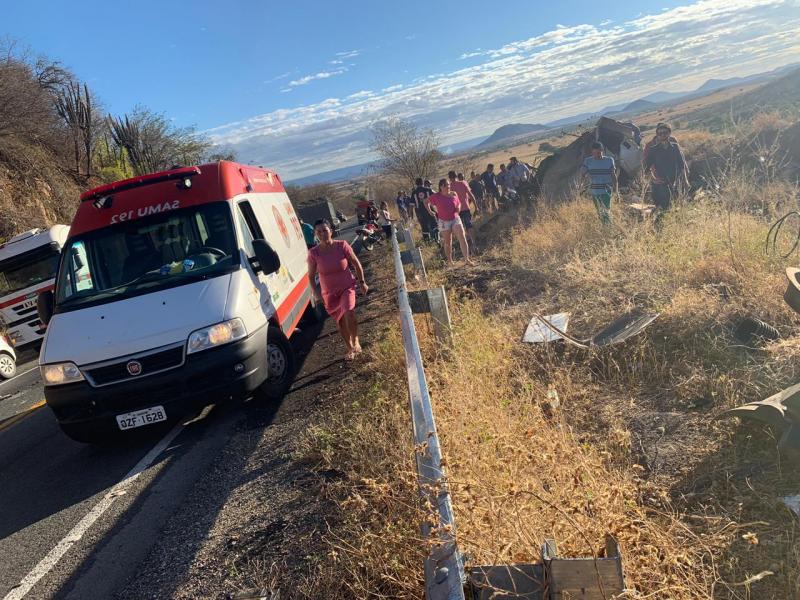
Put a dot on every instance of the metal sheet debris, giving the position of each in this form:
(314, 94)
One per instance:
(792, 503)
(538, 333)
(542, 329)
(623, 328)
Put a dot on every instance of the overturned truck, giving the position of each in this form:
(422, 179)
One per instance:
(557, 175)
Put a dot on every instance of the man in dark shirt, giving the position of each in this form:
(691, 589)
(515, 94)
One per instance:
(421, 194)
(667, 166)
(476, 186)
(490, 185)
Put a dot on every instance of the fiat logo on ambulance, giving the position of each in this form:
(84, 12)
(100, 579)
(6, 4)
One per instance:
(134, 368)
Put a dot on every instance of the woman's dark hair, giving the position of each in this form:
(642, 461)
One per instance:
(325, 222)
(443, 182)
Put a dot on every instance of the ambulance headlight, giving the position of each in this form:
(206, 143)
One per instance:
(216, 335)
(60, 373)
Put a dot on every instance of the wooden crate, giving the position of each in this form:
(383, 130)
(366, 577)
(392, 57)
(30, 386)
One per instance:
(583, 578)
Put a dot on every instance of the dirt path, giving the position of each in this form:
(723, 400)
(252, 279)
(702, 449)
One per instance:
(257, 512)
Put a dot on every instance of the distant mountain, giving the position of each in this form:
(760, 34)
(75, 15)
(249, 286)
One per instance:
(508, 133)
(334, 175)
(661, 97)
(459, 146)
(637, 106)
(781, 94)
(650, 101)
(355, 171)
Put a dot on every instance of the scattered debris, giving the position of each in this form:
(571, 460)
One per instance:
(792, 503)
(792, 294)
(752, 332)
(547, 329)
(640, 210)
(539, 333)
(781, 412)
(555, 578)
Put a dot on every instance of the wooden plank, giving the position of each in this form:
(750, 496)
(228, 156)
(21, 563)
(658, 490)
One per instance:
(508, 582)
(577, 578)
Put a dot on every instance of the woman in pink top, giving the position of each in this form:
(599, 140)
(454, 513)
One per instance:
(447, 206)
(332, 260)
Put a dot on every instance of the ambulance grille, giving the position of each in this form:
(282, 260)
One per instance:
(117, 371)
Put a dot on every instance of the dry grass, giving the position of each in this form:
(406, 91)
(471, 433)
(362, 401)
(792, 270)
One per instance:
(632, 446)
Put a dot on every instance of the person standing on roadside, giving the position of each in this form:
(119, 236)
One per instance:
(490, 186)
(385, 220)
(421, 193)
(308, 234)
(669, 174)
(518, 172)
(446, 203)
(476, 186)
(602, 174)
(504, 180)
(460, 187)
(333, 261)
(402, 202)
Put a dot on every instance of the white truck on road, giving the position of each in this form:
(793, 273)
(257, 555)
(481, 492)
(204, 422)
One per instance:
(28, 265)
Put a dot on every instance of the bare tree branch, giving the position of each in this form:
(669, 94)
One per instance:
(407, 151)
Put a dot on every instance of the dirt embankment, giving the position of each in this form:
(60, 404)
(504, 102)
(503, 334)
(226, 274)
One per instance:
(35, 191)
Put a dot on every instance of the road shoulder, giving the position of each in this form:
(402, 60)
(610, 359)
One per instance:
(258, 509)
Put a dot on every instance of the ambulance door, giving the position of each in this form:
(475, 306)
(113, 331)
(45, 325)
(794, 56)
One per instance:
(251, 230)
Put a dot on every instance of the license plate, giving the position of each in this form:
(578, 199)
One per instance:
(146, 416)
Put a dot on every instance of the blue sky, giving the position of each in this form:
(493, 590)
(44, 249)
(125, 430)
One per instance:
(295, 85)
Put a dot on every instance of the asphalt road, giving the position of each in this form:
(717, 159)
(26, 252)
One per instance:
(75, 520)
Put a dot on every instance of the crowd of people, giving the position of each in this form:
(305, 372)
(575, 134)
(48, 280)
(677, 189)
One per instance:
(662, 160)
(447, 213)
(481, 193)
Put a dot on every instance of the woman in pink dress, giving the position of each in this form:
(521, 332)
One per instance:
(332, 260)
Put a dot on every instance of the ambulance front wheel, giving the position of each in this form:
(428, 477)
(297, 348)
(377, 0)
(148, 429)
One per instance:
(280, 365)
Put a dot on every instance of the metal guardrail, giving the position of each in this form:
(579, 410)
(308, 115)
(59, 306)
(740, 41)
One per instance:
(444, 568)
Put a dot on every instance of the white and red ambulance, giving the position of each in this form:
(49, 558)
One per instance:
(28, 264)
(197, 279)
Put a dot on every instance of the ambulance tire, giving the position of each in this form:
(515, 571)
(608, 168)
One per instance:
(280, 364)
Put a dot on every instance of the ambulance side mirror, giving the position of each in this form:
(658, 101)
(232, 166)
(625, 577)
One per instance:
(268, 259)
(76, 258)
(44, 306)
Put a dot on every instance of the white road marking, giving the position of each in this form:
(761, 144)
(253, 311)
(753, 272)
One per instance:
(48, 562)
(18, 375)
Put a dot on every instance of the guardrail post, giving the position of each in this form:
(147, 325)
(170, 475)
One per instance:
(415, 253)
(434, 301)
(444, 569)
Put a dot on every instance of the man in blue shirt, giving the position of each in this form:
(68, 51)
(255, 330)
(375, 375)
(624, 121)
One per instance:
(602, 174)
(308, 234)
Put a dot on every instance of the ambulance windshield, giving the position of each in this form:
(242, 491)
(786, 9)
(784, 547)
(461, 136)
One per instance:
(143, 255)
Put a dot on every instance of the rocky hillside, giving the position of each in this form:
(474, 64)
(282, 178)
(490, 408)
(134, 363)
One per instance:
(35, 191)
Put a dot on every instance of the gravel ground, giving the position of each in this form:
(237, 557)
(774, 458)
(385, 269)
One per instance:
(257, 510)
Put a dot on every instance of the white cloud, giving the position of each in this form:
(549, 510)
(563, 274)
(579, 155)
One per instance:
(321, 75)
(349, 53)
(561, 72)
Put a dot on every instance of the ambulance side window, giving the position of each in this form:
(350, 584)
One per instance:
(78, 275)
(249, 226)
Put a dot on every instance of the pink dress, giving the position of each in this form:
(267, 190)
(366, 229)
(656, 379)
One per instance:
(335, 278)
